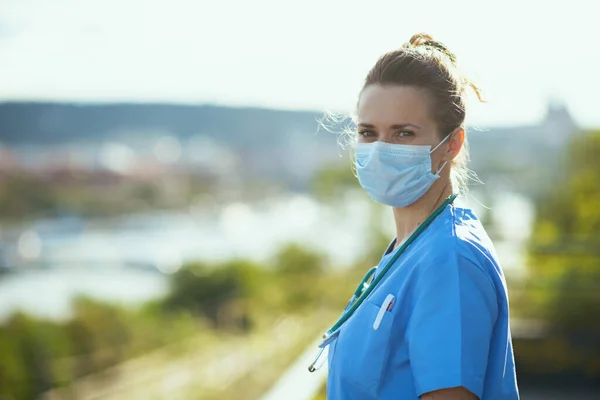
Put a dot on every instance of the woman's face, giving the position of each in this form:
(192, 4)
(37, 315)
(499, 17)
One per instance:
(399, 115)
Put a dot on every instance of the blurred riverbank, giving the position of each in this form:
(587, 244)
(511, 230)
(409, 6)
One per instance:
(127, 259)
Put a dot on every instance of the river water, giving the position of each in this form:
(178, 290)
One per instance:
(127, 260)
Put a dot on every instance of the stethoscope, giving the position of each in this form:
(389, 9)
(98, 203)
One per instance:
(367, 284)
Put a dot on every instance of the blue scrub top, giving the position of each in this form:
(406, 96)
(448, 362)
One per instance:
(448, 325)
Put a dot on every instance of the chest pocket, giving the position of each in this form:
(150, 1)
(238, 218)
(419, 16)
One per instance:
(361, 351)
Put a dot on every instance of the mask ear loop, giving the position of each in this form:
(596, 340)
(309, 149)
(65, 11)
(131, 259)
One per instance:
(440, 143)
(441, 168)
(435, 148)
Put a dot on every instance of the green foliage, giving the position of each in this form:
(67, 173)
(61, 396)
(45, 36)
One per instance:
(21, 364)
(228, 294)
(298, 271)
(294, 261)
(566, 238)
(100, 329)
(237, 295)
(220, 293)
(32, 354)
(36, 355)
(565, 252)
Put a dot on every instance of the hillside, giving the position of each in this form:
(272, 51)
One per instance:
(41, 123)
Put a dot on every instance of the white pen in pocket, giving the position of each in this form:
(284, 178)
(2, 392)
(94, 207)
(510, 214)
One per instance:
(386, 306)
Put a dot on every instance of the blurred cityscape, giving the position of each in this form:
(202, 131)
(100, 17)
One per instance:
(89, 184)
(178, 251)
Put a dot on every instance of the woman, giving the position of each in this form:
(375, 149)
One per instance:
(433, 323)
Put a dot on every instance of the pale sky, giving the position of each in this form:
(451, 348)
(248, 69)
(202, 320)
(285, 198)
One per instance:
(310, 54)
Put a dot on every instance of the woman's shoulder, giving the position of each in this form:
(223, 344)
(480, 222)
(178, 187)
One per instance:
(460, 241)
(461, 233)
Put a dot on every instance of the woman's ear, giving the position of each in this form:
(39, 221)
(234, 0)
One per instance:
(455, 143)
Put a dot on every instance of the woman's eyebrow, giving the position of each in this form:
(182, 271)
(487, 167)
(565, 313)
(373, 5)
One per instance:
(395, 126)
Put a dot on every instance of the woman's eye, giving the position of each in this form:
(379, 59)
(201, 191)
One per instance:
(366, 133)
(404, 134)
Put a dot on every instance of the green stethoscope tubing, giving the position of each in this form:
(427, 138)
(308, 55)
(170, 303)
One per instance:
(364, 289)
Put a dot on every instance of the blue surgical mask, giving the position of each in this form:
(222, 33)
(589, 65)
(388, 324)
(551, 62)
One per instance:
(395, 174)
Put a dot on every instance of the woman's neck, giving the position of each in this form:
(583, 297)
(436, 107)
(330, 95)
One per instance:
(409, 218)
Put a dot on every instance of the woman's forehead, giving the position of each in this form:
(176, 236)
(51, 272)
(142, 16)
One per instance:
(394, 105)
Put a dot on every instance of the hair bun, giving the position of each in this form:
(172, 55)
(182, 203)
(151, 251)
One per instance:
(426, 40)
(419, 39)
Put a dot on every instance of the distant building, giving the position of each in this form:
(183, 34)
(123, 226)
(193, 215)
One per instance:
(514, 155)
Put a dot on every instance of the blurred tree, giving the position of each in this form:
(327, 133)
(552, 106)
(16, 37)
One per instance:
(36, 355)
(219, 292)
(98, 333)
(25, 360)
(293, 260)
(16, 375)
(565, 255)
(298, 272)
